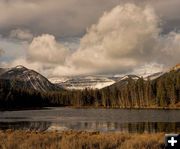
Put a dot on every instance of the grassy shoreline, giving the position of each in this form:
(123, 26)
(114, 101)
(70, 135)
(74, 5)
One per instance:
(91, 107)
(79, 140)
(128, 108)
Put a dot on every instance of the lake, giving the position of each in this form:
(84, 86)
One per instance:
(104, 120)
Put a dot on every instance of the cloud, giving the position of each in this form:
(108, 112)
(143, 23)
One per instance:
(46, 49)
(72, 17)
(21, 34)
(124, 39)
(60, 18)
(149, 68)
(12, 48)
(1, 52)
(43, 54)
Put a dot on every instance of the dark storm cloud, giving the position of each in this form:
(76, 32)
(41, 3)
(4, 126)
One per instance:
(60, 18)
(72, 17)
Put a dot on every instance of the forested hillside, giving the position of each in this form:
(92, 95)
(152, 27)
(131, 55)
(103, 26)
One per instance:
(161, 92)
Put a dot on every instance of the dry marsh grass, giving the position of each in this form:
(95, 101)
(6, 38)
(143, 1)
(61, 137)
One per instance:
(79, 140)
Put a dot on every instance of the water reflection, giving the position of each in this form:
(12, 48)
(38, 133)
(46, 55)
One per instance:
(138, 127)
(125, 120)
(24, 125)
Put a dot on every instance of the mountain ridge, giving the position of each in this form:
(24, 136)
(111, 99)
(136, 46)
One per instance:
(129, 92)
(22, 77)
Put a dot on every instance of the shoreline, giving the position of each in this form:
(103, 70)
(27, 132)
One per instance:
(90, 107)
(79, 139)
(128, 108)
(22, 109)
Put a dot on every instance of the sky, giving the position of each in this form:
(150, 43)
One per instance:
(82, 37)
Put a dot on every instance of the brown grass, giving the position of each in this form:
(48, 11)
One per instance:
(78, 140)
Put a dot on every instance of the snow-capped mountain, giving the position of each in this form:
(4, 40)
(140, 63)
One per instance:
(122, 81)
(153, 76)
(134, 77)
(82, 82)
(59, 80)
(96, 82)
(23, 78)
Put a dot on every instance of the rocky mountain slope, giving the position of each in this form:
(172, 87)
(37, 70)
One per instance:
(23, 78)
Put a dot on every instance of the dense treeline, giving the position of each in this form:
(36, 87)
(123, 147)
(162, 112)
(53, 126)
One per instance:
(161, 92)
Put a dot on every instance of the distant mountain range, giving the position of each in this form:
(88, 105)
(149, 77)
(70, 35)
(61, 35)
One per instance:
(96, 82)
(24, 88)
(24, 78)
(82, 82)
(153, 78)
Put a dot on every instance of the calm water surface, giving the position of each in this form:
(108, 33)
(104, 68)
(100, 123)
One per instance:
(125, 120)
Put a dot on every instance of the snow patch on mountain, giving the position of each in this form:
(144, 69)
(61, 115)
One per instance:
(20, 67)
(153, 76)
(56, 80)
(82, 82)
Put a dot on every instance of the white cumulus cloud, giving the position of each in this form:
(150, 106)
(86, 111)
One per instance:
(125, 38)
(46, 49)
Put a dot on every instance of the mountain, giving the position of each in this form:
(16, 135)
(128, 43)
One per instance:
(121, 82)
(23, 78)
(172, 72)
(128, 91)
(96, 82)
(82, 82)
(59, 80)
(154, 76)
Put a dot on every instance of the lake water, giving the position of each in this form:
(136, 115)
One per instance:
(124, 120)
